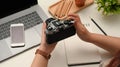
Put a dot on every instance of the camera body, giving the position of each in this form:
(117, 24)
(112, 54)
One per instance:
(57, 30)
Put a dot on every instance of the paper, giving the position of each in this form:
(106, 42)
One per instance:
(80, 52)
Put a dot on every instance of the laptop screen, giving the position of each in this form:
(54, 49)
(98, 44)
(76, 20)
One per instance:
(8, 7)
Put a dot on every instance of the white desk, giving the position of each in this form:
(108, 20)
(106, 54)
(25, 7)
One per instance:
(25, 59)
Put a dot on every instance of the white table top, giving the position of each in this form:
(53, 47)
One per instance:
(25, 59)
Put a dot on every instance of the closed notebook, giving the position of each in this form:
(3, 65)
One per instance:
(79, 52)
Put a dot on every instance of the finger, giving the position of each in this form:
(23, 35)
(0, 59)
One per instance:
(43, 26)
(76, 19)
(43, 32)
(71, 18)
(77, 23)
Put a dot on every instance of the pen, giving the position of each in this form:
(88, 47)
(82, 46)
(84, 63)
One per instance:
(89, 63)
(98, 26)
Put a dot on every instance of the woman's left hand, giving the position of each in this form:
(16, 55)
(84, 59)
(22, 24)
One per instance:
(48, 48)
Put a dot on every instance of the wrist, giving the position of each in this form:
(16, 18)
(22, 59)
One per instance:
(45, 48)
(48, 48)
(86, 37)
(92, 38)
(42, 53)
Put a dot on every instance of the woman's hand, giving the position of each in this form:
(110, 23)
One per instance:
(82, 32)
(48, 48)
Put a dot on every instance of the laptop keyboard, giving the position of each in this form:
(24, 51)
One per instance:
(28, 20)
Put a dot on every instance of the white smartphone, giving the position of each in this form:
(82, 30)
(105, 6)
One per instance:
(17, 35)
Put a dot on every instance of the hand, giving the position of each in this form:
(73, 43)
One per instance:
(82, 32)
(48, 48)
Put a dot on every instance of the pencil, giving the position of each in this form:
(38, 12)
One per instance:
(98, 26)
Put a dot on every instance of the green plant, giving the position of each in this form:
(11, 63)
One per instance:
(108, 7)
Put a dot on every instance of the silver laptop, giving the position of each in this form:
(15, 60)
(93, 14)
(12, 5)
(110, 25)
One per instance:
(27, 12)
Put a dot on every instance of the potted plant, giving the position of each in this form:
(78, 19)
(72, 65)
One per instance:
(108, 7)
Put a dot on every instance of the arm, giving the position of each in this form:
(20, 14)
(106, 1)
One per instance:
(109, 43)
(39, 60)
(112, 44)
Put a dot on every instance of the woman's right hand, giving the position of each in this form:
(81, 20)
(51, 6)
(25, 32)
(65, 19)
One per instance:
(81, 31)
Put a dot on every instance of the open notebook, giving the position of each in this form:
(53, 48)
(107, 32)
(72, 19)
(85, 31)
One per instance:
(79, 52)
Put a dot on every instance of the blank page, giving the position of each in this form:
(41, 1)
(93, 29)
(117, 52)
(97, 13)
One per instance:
(80, 52)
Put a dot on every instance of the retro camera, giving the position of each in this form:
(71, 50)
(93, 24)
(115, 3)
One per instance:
(57, 30)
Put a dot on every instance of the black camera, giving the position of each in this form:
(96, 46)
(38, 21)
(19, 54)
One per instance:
(57, 30)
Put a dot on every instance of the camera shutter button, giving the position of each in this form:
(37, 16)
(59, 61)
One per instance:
(50, 28)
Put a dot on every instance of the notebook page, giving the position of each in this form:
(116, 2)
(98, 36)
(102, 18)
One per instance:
(81, 52)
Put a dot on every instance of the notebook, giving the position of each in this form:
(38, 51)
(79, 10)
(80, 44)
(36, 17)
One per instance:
(27, 12)
(79, 52)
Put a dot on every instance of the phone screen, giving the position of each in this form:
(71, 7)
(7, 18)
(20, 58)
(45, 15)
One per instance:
(17, 35)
